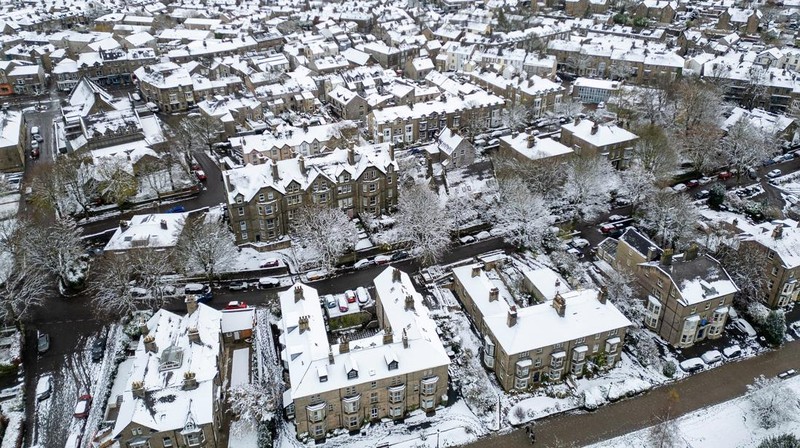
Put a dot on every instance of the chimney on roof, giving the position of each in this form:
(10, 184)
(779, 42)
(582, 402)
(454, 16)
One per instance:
(301, 163)
(391, 151)
(298, 293)
(330, 356)
(476, 271)
(194, 335)
(777, 232)
(409, 302)
(164, 224)
(189, 380)
(652, 253)
(577, 121)
(531, 141)
(602, 296)
(396, 275)
(691, 252)
(124, 224)
(137, 389)
(388, 336)
(512, 316)
(344, 344)
(494, 294)
(560, 305)
(666, 257)
(595, 127)
(302, 323)
(143, 330)
(405, 338)
(274, 165)
(351, 156)
(150, 344)
(191, 303)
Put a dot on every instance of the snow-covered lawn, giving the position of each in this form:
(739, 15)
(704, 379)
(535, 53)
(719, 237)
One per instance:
(728, 424)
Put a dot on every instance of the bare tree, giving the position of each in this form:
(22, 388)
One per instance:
(326, 232)
(569, 107)
(698, 115)
(73, 174)
(620, 292)
(671, 217)
(544, 177)
(112, 291)
(205, 245)
(772, 402)
(47, 193)
(116, 183)
(588, 186)
(252, 403)
(637, 183)
(664, 434)
(654, 152)
(744, 145)
(523, 215)
(57, 249)
(516, 117)
(205, 130)
(745, 265)
(21, 288)
(422, 223)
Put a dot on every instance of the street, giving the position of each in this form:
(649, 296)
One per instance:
(697, 391)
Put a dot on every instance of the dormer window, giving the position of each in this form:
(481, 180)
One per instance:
(171, 358)
(239, 199)
(393, 365)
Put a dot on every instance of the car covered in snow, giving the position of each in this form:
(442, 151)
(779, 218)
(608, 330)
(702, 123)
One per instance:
(98, 349)
(43, 387)
(467, 239)
(203, 292)
(734, 351)
(580, 243)
(235, 305)
(679, 188)
(711, 356)
(383, 259)
(237, 285)
(608, 228)
(692, 365)
(483, 235)
(343, 306)
(82, 406)
(270, 263)
(363, 263)
(744, 327)
(350, 295)
(329, 301)
(774, 173)
(787, 374)
(363, 295)
(42, 342)
(313, 276)
(268, 282)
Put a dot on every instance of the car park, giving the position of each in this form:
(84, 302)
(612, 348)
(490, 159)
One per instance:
(363, 263)
(82, 406)
(98, 349)
(711, 356)
(734, 351)
(235, 305)
(270, 263)
(43, 387)
(42, 342)
(692, 365)
(363, 295)
(744, 327)
(774, 173)
(350, 296)
(268, 282)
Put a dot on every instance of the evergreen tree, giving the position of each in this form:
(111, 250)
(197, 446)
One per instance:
(775, 327)
(781, 441)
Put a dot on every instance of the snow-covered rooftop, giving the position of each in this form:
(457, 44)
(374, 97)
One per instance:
(157, 230)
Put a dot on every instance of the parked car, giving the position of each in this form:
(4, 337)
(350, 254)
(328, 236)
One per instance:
(575, 252)
(237, 285)
(350, 296)
(136, 97)
(98, 348)
(235, 305)
(692, 365)
(483, 235)
(82, 406)
(34, 130)
(329, 301)
(615, 218)
(363, 295)
(313, 276)
(704, 180)
(383, 259)
(679, 187)
(693, 183)
(774, 173)
(270, 263)
(608, 228)
(702, 194)
(745, 328)
(44, 387)
(467, 239)
(42, 342)
(363, 263)
(203, 292)
(787, 374)
(268, 282)
(725, 175)
(177, 209)
(343, 306)
(35, 153)
(734, 351)
(139, 292)
(711, 356)
(399, 255)
(200, 174)
(34, 144)
(580, 243)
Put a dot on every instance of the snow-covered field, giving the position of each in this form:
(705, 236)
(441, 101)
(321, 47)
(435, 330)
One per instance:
(726, 425)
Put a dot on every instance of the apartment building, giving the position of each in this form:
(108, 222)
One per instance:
(421, 122)
(167, 394)
(779, 240)
(263, 199)
(166, 84)
(286, 141)
(543, 342)
(661, 10)
(594, 91)
(536, 94)
(590, 139)
(403, 367)
(13, 138)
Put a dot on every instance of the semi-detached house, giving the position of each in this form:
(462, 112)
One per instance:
(527, 345)
(403, 367)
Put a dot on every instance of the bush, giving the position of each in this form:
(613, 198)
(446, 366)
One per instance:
(775, 327)
(758, 313)
(717, 196)
(781, 441)
(669, 369)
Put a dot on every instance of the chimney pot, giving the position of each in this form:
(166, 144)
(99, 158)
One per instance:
(150, 344)
(194, 335)
(409, 302)
(388, 337)
(602, 296)
(405, 338)
(137, 388)
(494, 294)
(512, 316)
(351, 156)
(191, 303)
(560, 305)
(476, 271)
(298, 293)
(143, 330)
(344, 344)
(666, 257)
(189, 380)
(164, 224)
(330, 357)
(396, 275)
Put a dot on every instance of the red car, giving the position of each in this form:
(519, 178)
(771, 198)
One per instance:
(693, 183)
(270, 263)
(607, 228)
(350, 295)
(82, 406)
(35, 153)
(201, 175)
(235, 305)
(725, 175)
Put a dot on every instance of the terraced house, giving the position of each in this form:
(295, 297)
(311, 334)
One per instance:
(526, 345)
(263, 199)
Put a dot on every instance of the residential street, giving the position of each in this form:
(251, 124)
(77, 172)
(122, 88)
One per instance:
(697, 391)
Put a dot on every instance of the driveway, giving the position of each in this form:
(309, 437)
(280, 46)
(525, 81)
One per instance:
(698, 391)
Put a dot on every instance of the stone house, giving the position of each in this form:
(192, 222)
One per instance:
(590, 139)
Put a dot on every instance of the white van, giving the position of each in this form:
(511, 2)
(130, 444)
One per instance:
(34, 130)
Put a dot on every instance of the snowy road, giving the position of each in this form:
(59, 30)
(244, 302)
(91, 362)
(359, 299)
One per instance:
(698, 391)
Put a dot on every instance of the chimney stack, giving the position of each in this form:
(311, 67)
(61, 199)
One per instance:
(396, 275)
(388, 337)
(652, 253)
(494, 294)
(666, 257)
(164, 224)
(777, 232)
(330, 357)
(298, 293)
(194, 335)
(691, 252)
(476, 271)
(189, 381)
(577, 121)
(191, 303)
(302, 323)
(351, 156)
(344, 344)
(409, 302)
(602, 296)
(391, 151)
(531, 141)
(301, 162)
(512, 316)
(137, 388)
(560, 305)
(595, 128)
(143, 330)
(405, 338)
(150, 344)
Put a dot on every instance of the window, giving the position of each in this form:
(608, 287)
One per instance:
(167, 442)
(537, 363)
(693, 310)
(350, 405)
(244, 235)
(271, 195)
(429, 385)
(261, 197)
(396, 394)
(241, 211)
(373, 384)
(595, 348)
(613, 332)
(774, 270)
(242, 225)
(580, 340)
(373, 412)
(195, 438)
(708, 305)
(136, 431)
(521, 383)
(373, 397)
(771, 255)
(558, 346)
(539, 350)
